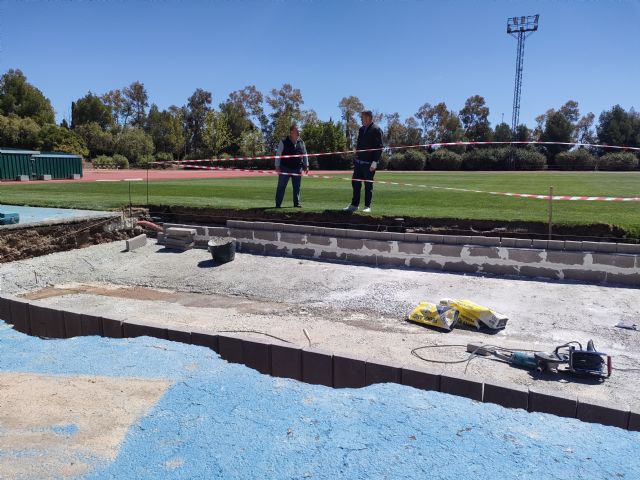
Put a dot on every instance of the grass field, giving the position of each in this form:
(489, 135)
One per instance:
(335, 193)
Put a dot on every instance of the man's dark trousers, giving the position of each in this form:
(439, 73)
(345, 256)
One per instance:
(282, 184)
(362, 171)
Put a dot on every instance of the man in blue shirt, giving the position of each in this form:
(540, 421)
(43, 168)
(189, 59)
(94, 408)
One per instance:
(291, 166)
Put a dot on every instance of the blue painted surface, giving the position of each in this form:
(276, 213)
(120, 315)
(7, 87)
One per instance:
(221, 420)
(43, 214)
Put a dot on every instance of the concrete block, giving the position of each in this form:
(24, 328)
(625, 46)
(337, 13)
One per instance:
(523, 243)
(594, 411)
(218, 232)
(243, 224)
(430, 238)
(411, 237)
(293, 238)
(542, 244)
(411, 248)
(286, 361)
(499, 269)
(333, 232)
(421, 378)
(268, 235)
(20, 315)
(488, 252)
(90, 325)
(230, 348)
(463, 239)
(395, 236)
(241, 233)
(262, 225)
(623, 279)
(319, 230)
(181, 335)
(461, 386)
(317, 367)
(614, 260)
(377, 245)
(634, 420)
(44, 177)
(446, 250)
(555, 245)
(348, 372)
(509, 396)
(422, 263)
(74, 176)
(22, 178)
(383, 236)
(566, 258)
(572, 246)
(318, 240)
(358, 258)
(595, 247)
(352, 233)
(72, 323)
(524, 255)
(5, 309)
(539, 272)
(161, 238)
(584, 275)
(250, 247)
(204, 339)
(350, 243)
(180, 232)
(112, 328)
(136, 242)
(324, 255)
(450, 240)
(562, 405)
(137, 328)
(303, 252)
(485, 241)
(298, 228)
(389, 261)
(46, 322)
(273, 249)
(606, 247)
(628, 248)
(256, 355)
(508, 242)
(376, 372)
(460, 267)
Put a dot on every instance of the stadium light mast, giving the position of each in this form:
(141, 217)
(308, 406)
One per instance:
(520, 28)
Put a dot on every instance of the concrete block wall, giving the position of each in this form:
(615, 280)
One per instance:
(591, 262)
(315, 366)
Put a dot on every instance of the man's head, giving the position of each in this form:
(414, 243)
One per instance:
(294, 133)
(366, 117)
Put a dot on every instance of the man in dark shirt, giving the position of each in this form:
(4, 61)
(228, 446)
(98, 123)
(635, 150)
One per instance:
(366, 162)
(291, 167)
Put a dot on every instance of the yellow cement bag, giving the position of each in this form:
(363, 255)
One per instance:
(432, 315)
(474, 315)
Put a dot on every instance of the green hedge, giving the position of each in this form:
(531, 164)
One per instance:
(443, 159)
(579, 159)
(618, 161)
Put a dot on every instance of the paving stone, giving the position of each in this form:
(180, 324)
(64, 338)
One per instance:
(509, 396)
(138, 328)
(562, 405)
(317, 367)
(205, 339)
(256, 355)
(286, 361)
(411, 248)
(377, 245)
(136, 242)
(446, 250)
(348, 372)
(72, 323)
(614, 260)
(350, 243)
(292, 238)
(461, 386)
(421, 378)
(318, 240)
(230, 349)
(594, 411)
(377, 372)
(524, 255)
(180, 232)
(488, 252)
(565, 258)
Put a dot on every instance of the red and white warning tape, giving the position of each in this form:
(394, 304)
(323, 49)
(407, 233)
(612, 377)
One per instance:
(455, 189)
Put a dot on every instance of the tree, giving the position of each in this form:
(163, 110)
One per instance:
(286, 105)
(198, 106)
(249, 102)
(619, 127)
(98, 141)
(137, 100)
(119, 106)
(16, 132)
(502, 133)
(217, 134)
(557, 128)
(58, 139)
(350, 108)
(133, 143)
(166, 130)
(252, 143)
(91, 108)
(413, 132)
(433, 120)
(584, 129)
(523, 133)
(19, 97)
(475, 119)
(320, 137)
(395, 133)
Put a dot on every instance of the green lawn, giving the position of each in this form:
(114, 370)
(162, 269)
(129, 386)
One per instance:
(324, 194)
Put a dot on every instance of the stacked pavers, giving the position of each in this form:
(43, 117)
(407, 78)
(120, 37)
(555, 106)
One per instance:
(178, 238)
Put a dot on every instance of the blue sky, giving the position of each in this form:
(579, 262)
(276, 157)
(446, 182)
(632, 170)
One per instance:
(393, 55)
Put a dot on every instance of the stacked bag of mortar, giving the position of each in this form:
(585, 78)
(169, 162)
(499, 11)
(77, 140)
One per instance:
(449, 313)
(178, 238)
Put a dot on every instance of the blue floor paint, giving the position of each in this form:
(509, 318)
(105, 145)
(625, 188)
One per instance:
(221, 420)
(42, 214)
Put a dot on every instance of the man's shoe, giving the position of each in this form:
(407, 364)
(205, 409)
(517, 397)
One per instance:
(350, 208)
(367, 210)
(298, 206)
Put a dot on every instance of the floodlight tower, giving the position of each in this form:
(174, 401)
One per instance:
(520, 28)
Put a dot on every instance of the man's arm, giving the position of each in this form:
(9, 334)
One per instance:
(278, 153)
(305, 159)
(377, 143)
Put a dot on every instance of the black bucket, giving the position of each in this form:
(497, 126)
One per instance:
(223, 249)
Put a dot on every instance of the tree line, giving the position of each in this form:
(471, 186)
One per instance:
(122, 128)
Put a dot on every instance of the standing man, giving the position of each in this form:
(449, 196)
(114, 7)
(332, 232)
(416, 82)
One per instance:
(291, 166)
(365, 164)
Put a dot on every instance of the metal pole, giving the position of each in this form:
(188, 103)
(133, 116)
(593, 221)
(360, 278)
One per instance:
(550, 211)
(130, 204)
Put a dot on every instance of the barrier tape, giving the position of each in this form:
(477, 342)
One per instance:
(455, 189)
(423, 145)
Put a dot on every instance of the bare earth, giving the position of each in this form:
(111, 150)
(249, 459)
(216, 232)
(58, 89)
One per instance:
(347, 309)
